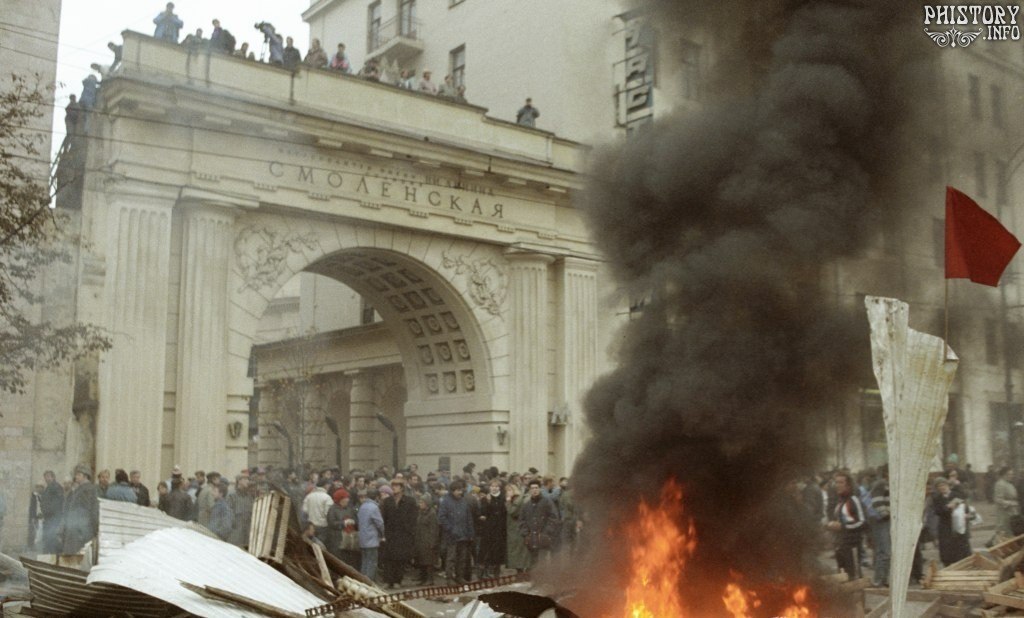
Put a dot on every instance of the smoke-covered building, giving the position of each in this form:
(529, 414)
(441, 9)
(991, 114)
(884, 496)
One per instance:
(597, 70)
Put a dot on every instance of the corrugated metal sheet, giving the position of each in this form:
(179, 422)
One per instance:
(62, 591)
(123, 522)
(159, 561)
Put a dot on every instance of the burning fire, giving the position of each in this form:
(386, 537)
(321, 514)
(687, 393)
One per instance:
(659, 549)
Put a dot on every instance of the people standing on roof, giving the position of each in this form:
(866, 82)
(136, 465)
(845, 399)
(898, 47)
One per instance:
(340, 61)
(168, 24)
(316, 57)
(527, 114)
(291, 55)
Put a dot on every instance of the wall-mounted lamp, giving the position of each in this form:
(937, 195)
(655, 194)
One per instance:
(235, 429)
(502, 435)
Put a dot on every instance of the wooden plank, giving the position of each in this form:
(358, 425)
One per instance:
(282, 526)
(325, 575)
(218, 594)
(1000, 598)
(1007, 547)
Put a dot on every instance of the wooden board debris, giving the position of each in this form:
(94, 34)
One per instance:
(976, 572)
(269, 530)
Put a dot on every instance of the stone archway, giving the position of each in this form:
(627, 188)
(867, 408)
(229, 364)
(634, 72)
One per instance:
(441, 303)
(442, 351)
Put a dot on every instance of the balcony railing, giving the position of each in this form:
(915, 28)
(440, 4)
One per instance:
(402, 27)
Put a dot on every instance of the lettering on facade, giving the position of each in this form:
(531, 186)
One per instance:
(634, 90)
(398, 186)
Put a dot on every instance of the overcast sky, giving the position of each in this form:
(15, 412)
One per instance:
(87, 25)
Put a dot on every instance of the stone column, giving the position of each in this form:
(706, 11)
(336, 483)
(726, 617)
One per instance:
(578, 358)
(200, 432)
(129, 425)
(528, 380)
(363, 424)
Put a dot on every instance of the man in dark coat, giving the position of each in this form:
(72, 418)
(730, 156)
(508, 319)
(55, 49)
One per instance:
(241, 503)
(456, 520)
(179, 504)
(81, 512)
(141, 491)
(399, 511)
(953, 546)
(51, 505)
(538, 522)
(492, 526)
(291, 57)
(427, 537)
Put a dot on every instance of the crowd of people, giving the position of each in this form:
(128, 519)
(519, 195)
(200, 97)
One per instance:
(856, 510)
(281, 51)
(386, 524)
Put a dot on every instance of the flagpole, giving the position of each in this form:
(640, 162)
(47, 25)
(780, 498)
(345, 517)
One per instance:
(945, 336)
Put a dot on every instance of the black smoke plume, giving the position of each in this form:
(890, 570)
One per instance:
(729, 219)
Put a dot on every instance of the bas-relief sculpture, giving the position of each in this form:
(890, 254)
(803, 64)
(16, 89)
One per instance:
(486, 282)
(262, 254)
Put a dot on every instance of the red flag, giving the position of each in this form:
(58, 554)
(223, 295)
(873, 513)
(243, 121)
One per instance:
(978, 247)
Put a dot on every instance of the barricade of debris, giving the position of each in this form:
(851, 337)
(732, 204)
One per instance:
(985, 584)
(146, 564)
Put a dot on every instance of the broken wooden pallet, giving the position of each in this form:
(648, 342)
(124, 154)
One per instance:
(975, 572)
(1006, 594)
(1008, 554)
(269, 529)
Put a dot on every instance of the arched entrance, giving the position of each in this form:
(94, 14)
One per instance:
(413, 387)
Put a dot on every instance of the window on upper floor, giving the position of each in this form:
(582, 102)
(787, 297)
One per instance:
(407, 18)
(997, 105)
(974, 95)
(980, 178)
(457, 60)
(373, 21)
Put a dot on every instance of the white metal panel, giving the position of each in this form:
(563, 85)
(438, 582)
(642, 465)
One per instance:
(124, 522)
(914, 373)
(157, 563)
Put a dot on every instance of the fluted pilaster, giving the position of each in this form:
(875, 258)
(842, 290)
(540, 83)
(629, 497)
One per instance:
(129, 426)
(200, 416)
(579, 347)
(528, 324)
(363, 428)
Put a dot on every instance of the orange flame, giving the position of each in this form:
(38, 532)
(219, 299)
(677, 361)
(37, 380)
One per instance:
(739, 602)
(799, 610)
(659, 549)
